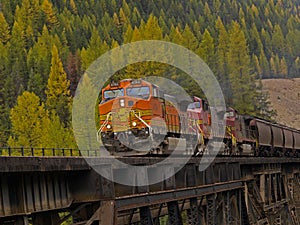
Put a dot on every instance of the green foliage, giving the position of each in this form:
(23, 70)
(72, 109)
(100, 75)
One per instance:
(84, 30)
(28, 120)
(32, 126)
(241, 77)
(57, 92)
(96, 47)
(4, 29)
(50, 15)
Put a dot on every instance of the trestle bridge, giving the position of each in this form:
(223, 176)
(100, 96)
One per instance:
(53, 189)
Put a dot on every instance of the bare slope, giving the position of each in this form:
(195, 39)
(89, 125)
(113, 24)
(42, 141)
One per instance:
(285, 99)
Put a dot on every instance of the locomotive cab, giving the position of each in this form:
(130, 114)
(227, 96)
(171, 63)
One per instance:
(131, 111)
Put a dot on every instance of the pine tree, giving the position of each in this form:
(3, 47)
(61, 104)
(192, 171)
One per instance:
(273, 66)
(175, 36)
(73, 7)
(241, 77)
(278, 41)
(57, 92)
(39, 62)
(263, 107)
(151, 30)
(189, 39)
(51, 19)
(27, 118)
(257, 65)
(4, 29)
(96, 47)
(56, 136)
(17, 56)
(255, 41)
(283, 68)
(221, 57)
(4, 109)
(35, 83)
(264, 64)
(127, 36)
(207, 50)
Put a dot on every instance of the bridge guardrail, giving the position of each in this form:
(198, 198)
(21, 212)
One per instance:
(33, 151)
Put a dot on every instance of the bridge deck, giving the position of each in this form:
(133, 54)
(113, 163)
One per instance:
(9, 164)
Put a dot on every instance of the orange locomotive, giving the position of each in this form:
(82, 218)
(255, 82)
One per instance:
(136, 115)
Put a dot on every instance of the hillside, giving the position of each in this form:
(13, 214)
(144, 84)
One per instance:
(285, 99)
(43, 42)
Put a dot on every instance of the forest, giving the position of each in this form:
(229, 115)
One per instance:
(46, 45)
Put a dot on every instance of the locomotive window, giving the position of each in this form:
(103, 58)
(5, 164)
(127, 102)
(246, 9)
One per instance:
(205, 106)
(155, 94)
(138, 92)
(229, 114)
(197, 105)
(191, 106)
(110, 94)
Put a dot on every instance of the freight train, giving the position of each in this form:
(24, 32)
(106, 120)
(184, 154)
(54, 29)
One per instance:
(137, 117)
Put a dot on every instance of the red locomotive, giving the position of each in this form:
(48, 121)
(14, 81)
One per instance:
(136, 115)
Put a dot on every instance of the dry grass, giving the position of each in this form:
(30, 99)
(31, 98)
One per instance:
(285, 99)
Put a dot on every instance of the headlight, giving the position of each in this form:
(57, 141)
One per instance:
(108, 126)
(122, 102)
(134, 124)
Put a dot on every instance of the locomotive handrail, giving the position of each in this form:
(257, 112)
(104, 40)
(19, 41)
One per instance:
(103, 125)
(147, 125)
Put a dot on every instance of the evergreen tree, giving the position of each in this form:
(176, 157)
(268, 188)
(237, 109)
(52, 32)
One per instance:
(50, 15)
(73, 7)
(263, 107)
(39, 62)
(264, 64)
(283, 68)
(27, 118)
(221, 57)
(189, 39)
(207, 50)
(175, 36)
(17, 57)
(96, 47)
(56, 136)
(36, 84)
(57, 92)
(278, 41)
(4, 29)
(255, 41)
(151, 30)
(273, 66)
(241, 77)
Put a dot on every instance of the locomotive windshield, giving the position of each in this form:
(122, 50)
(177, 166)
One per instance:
(110, 94)
(138, 92)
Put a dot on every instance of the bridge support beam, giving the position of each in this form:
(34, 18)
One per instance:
(193, 216)
(211, 209)
(174, 213)
(145, 216)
